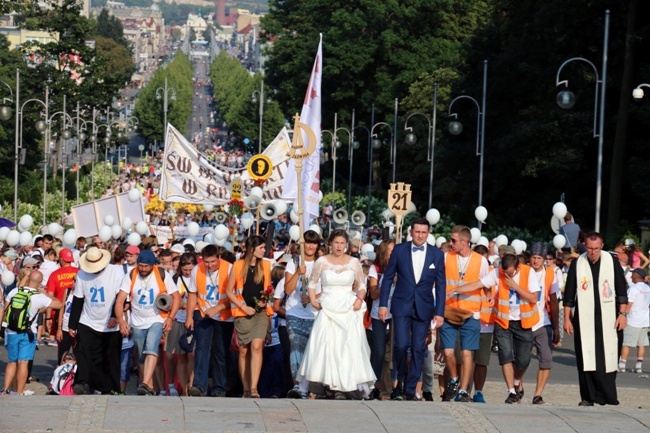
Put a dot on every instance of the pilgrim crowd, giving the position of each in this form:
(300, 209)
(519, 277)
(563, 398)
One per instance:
(263, 317)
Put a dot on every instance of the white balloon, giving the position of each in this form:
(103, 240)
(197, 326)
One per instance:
(141, 228)
(294, 233)
(105, 233)
(109, 220)
(246, 220)
(134, 239)
(208, 207)
(25, 238)
(227, 245)
(8, 278)
(189, 242)
(502, 240)
(315, 228)
(13, 237)
(476, 234)
(256, 191)
(221, 232)
(431, 239)
(481, 213)
(127, 223)
(20, 228)
(559, 241)
(559, 210)
(320, 196)
(524, 245)
(26, 221)
(483, 241)
(440, 240)
(209, 238)
(366, 248)
(433, 216)
(4, 231)
(134, 195)
(516, 244)
(199, 246)
(294, 216)
(53, 229)
(116, 231)
(193, 228)
(220, 242)
(70, 238)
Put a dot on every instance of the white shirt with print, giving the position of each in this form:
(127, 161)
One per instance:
(38, 301)
(145, 290)
(98, 292)
(211, 290)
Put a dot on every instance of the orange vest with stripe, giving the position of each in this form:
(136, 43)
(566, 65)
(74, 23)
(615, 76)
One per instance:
(159, 279)
(488, 313)
(528, 310)
(470, 301)
(202, 287)
(239, 287)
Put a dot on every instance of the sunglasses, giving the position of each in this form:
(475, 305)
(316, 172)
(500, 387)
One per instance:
(32, 267)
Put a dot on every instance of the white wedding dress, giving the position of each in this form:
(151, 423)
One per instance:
(337, 353)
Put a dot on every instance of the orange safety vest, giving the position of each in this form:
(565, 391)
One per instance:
(488, 313)
(470, 301)
(239, 287)
(159, 279)
(529, 312)
(201, 289)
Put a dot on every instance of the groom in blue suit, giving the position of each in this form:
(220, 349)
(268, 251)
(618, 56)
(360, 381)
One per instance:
(420, 269)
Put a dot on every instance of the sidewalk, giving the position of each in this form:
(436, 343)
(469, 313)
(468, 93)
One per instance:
(115, 414)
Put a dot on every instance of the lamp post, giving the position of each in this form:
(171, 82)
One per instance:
(5, 114)
(259, 94)
(455, 128)
(376, 142)
(336, 144)
(638, 93)
(566, 99)
(431, 139)
(163, 93)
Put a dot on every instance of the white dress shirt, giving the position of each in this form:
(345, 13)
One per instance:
(418, 261)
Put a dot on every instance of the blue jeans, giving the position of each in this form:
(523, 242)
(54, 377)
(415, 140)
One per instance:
(147, 340)
(212, 345)
(379, 339)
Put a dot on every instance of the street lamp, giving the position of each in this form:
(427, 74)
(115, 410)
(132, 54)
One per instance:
(377, 143)
(455, 128)
(259, 95)
(163, 93)
(336, 144)
(355, 146)
(431, 139)
(566, 99)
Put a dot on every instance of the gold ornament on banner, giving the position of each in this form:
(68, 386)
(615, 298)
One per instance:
(298, 152)
(399, 200)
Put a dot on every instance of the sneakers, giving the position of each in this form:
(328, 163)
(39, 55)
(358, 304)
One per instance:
(451, 391)
(478, 398)
(173, 392)
(28, 392)
(638, 370)
(196, 391)
(427, 395)
(463, 397)
(296, 393)
(397, 393)
(52, 343)
(621, 369)
(538, 400)
(513, 398)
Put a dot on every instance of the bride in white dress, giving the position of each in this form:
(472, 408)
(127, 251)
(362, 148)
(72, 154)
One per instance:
(337, 353)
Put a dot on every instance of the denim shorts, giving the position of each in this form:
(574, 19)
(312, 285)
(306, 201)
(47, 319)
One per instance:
(147, 340)
(470, 334)
(515, 344)
(125, 364)
(19, 348)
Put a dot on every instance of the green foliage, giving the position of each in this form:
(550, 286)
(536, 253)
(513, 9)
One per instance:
(233, 90)
(110, 27)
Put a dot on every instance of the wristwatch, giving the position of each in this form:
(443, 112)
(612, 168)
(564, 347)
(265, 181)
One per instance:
(622, 314)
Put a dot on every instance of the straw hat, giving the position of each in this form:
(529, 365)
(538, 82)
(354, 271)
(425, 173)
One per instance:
(94, 260)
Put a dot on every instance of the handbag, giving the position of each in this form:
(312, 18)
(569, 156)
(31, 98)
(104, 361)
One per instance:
(438, 364)
(457, 316)
(234, 342)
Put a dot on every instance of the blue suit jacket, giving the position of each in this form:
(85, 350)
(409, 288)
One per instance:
(410, 298)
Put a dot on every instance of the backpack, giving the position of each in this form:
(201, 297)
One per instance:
(66, 388)
(18, 311)
(64, 379)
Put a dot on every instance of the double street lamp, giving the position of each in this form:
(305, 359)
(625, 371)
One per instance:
(411, 138)
(336, 144)
(456, 127)
(163, 93)
(566, 99)
(258, 95)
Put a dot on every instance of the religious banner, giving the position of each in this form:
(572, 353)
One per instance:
(188, 176)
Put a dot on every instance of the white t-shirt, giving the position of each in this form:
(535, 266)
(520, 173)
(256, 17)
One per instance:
(46, 268)
(293, 305)
(145, 290)
(544, 318)
(639, 295)
(99, 292)
(212, 289)
(66, 312)
(463, 262)
(492, 279)
(38, 301)
(278, 293)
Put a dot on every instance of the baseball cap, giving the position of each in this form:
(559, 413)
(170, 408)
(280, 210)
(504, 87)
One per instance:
(132, 249)
(507, 249)
(187, 341)
(13, 255)
(640, 272)
(29, 261)
(66, 255)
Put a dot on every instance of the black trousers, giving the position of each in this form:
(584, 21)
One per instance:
(98, 359)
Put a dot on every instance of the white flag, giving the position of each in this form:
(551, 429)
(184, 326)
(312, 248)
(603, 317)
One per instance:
(310, 115)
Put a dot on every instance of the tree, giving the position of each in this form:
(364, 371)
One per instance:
(119, 64)
(110, 27)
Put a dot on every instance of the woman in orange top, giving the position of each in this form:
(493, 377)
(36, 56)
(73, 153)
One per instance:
(249, 278)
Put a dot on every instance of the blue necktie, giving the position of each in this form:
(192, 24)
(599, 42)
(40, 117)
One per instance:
(420, 248)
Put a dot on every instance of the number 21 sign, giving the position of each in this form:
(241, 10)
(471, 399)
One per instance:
(399, 200)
